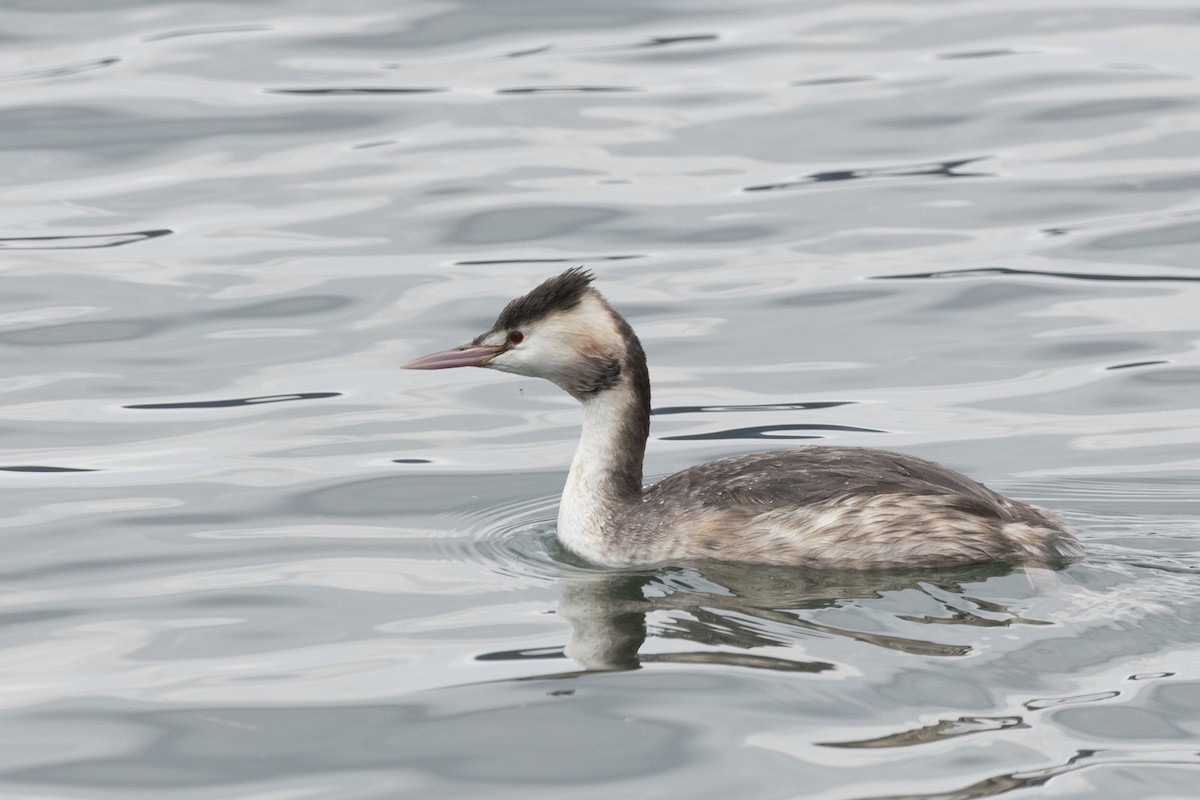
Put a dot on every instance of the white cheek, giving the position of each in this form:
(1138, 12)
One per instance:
(535, 358)
(553, 346)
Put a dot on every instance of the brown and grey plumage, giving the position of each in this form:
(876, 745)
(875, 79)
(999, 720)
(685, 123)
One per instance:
(845, 507)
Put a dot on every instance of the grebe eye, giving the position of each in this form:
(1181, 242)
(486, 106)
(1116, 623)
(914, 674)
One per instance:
(515, 337)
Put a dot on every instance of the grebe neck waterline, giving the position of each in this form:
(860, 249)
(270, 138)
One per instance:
(844, 507)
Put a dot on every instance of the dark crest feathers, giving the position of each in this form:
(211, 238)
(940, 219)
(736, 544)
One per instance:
(560, 293)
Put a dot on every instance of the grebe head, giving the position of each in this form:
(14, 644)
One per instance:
(563, 331)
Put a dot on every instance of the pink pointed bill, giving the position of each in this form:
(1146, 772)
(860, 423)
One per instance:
(460, 357)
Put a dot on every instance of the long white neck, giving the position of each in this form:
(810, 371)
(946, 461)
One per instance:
(606, 473)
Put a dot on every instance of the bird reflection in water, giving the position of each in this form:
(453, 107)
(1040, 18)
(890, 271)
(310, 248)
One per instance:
(731, 610)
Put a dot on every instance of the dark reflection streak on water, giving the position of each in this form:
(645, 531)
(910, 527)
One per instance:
(1133, 364)
(1157, 217)
(942, 169)
(565, 89)
(530, 52)
(60, 71)
(899, 644)
(1079, 276)
(834, 81)
(654, 41)
(662, 41)
(959, 616)
(69, 242)
(360, 90)
(40, 468)
(798, 406)
(1000, 51)
(1052, 702)
(241, 401)
(524, 654)
(583, 259)
(989, 787)
(1001, 784)
(158, 37)
(939, 731)
(738, 660)
(762, 431)
(698, 657)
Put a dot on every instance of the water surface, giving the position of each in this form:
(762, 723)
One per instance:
(245, 556)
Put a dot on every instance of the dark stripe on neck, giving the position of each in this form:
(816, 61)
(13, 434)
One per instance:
(603, 373)
(634, 427)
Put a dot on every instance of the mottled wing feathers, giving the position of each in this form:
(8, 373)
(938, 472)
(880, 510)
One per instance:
(852, 507)
(809, 476)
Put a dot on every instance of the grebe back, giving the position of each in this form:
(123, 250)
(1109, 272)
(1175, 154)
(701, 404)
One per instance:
(843, 507)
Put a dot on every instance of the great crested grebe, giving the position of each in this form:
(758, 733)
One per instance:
(837, 507)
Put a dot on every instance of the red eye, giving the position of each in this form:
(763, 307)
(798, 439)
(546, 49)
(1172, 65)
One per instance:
(515, 337)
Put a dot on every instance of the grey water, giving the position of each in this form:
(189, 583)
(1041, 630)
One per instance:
(245, 556)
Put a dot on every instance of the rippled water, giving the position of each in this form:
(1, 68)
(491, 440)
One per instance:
(245, 556)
